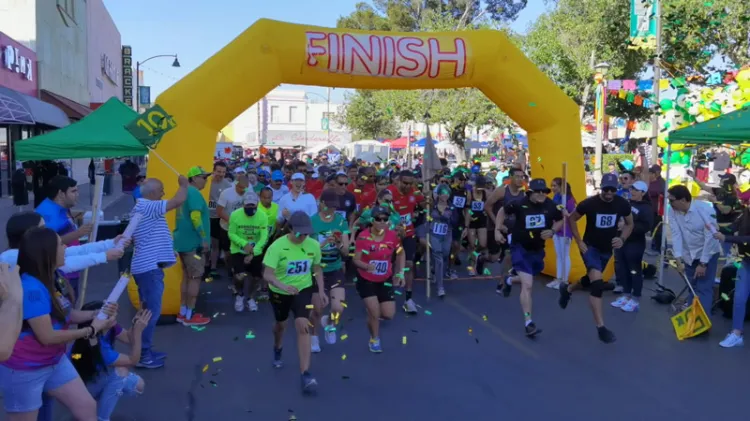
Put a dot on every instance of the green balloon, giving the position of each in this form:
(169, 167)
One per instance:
(666, 104)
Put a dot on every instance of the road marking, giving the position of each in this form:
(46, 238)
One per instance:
(494, 329)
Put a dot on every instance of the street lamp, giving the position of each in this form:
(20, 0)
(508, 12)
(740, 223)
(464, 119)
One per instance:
(175, 63)
(599, 106)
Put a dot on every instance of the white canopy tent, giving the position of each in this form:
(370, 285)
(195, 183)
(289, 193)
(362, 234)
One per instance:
(315, 150)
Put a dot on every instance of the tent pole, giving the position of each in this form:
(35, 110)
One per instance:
(664, 220)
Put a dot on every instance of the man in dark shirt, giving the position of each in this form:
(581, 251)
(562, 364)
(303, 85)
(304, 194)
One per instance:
(603, 213)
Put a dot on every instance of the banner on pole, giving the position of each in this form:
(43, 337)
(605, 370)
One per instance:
(643, 24)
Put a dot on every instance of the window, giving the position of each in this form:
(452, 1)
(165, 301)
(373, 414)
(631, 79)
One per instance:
(293, 114)
(275, 114)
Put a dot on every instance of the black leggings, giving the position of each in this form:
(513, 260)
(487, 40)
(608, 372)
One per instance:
(629, 269)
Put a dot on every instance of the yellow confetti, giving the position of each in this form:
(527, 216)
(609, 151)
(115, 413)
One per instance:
(343, 357)
(471, 331)
(484, 317)
(196, 256)
(403, 340)
(309, 306)
(469, 268)
(344, 336)
(76, 356)
(217, 359)
(357, 191)
(343, 304)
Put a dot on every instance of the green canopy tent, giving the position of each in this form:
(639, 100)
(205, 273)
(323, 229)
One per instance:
(101, 134)
(731, 128)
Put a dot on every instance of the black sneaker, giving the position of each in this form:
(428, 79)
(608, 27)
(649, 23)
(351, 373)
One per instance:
(606, 335)
(564, 296)
(531, 330)
(507, 286)
(308, 382)
(499, 288)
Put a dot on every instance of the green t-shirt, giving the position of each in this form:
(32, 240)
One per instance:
(244, 230)
(330, 255)
(186, 237)
(293, 263)
(271, 212)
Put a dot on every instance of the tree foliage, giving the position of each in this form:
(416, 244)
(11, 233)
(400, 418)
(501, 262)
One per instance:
(377, 113)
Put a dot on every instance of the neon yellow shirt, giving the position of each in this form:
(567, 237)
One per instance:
(272, 212)
(293, 263)
(244, 230)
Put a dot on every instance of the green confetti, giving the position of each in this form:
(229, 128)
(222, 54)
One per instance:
(532, 104)
(724, 297)
(388, 284)
(365, 252)
(397, 292)
(198, 328)
(428, 312)
(249, 335)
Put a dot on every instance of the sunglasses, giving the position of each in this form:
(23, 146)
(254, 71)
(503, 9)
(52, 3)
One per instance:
(343, 184)
(407, 183)
(609, 189)
(381, 219)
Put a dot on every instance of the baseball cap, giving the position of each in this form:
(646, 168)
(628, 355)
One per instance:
(277, 175)
(298, 176)
(609, 180)
(196, 172)
(300, 223)
(240, 170)
(329, 198)
(538, 184)
(656, 169)
(380, 210)
(251, 198)
(640, 186)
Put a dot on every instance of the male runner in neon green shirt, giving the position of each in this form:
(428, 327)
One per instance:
(289, 262)
(248, 234)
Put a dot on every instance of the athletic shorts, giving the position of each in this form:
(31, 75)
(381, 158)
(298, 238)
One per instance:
(216, 228)
(297, 304)
(595, 259)
(410, 247)
(334, 279)
(192, 264)
(478, 220)
(526, 261)
(368, 289)
(254, 268)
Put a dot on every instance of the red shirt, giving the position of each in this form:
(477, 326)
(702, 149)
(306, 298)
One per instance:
(365, 196)
(379, 253)
(405, 204)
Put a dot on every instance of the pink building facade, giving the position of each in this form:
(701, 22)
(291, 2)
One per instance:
(104, 55)
(18, 67)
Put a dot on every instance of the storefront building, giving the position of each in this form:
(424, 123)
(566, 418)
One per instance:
(104, 55)
(22, 114)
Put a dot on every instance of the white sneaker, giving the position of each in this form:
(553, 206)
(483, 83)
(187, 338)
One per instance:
(618, 303)
(252, 305)
(314, 344)
(441, 292)
(630, 306)
(732, 340)
(618, 289)
(329, 329)
(410, 307)
(239, 303)
(555, 284)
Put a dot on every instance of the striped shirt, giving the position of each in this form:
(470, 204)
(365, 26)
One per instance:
(152, 238)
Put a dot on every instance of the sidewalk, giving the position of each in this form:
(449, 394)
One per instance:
(114, 205)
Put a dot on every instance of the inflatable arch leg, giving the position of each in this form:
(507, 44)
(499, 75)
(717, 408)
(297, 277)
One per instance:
(270, 53)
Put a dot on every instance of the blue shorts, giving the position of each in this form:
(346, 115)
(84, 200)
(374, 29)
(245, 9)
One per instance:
(22, 389)
(595, 259)
(531, 262)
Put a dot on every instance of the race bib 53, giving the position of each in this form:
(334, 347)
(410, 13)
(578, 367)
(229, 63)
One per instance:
(477, 206)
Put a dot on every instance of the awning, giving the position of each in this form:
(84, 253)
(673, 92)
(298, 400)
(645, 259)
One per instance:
(18, 108)
(71, 108)
(732, 128)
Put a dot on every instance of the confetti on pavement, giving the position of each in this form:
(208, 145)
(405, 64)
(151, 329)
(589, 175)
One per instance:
(218, 359)
(428, 312)
(403, 340)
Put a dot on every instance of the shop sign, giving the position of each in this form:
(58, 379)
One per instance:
(127, 75)
(15, 62)
(110, 71)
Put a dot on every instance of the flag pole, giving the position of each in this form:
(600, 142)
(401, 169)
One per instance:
(564, 194)
(426, 191)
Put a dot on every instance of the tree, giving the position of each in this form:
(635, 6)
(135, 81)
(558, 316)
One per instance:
(632, 113)
(366, 114)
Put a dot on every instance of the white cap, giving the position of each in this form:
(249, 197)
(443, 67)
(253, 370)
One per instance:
(298, 176)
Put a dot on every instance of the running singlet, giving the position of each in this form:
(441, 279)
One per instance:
(292, 263)
(601, 219)
(336, 227)
(405, 204)
(377, 253)
(531, 219)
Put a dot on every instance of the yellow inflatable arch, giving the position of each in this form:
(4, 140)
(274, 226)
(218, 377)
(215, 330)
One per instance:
(270, 53)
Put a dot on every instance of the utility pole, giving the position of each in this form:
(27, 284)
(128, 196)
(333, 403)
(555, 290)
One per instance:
(657, 81)
(328, 115)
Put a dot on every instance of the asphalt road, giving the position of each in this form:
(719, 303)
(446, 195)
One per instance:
(444, 371)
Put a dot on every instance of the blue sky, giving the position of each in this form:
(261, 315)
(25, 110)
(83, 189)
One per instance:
(195, 32)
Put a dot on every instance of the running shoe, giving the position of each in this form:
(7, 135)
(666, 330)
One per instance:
(531, 329)
(410, 307)
(452, 274)
(441, 292)
(507, 286)
(732, 340)
(197, 320)
(631, 306)
(618, 303)
(263, 295)
(618, 289)
(555, 284)
(159, 356)
(564, 295)
(606, 335)
(277, 363)
(330, 330)
(252, 305)
(499, 288)
(314, 344)
(148, 361)
(308, 382)
(239, 303)
(374, 346)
